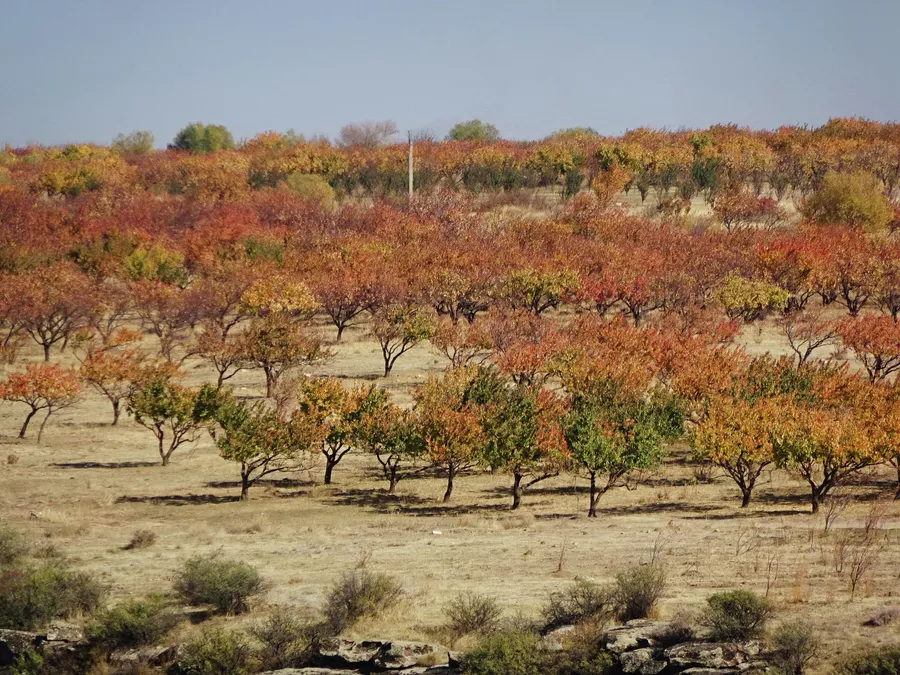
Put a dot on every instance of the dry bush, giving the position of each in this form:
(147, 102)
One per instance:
(583, 602)
(357, 595)
(472, 614)
(637, 591)
(881, 661)
(141, 539)
(884, 618)
(288, 640)
(13, 547)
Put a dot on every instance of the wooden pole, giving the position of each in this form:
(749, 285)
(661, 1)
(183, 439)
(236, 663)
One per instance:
(410, 165)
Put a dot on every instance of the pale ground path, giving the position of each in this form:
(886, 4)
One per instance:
(303, 536)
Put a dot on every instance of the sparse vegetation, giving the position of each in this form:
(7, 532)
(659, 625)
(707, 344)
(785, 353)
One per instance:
(228, 585)
(736, 615)
(356, 595)
(133, 623)
(583, 601)
(472, 614)
(637, 591)
(215, 652)
(793, 646)
(507, 653)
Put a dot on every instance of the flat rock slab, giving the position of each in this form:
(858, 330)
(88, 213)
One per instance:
(645, 661)
(637, 634)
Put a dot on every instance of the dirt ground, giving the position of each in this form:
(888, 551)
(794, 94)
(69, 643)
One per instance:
(88, 486)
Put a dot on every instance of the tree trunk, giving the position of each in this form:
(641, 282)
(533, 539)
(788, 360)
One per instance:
(592, 509)
(46, 352)
(162, 453)
(340, 335)
(25, 426)
(746, 494)
(393, 480)
(245, 487)
(329, 468)
(897, 459)
(388, 366)
(450, 475)
(116, 411)
(517, 491)
(270, 384)
(815, 499)
(43, 424)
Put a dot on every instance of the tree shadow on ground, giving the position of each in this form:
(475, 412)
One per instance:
(179, 500)
(102, 465)
(262, 482)
(655, 507)
(380, 501)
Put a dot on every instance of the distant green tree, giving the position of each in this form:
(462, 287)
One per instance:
(203, 138)
(473, 130)
(573, 132)
(136, 143)
(852, 199)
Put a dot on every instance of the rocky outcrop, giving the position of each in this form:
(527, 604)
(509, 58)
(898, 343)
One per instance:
(380, 655)
(62, 640)
(644, 648)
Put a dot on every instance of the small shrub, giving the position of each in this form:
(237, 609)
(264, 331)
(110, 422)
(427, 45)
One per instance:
(882, 661)
(582, 601)
(12, 458)
(12, 547)
(511, 653)
(736, 615)
(312, 188)
(359, 594)
(678, 631)
(884, 618)
(472, 614)
(584, 653)
(133, 623)
(214, 652)
(793, 646)
(31, 597)
(29, 662)
(637, 591)
(225, 584)
(288, 640)
(141, 539)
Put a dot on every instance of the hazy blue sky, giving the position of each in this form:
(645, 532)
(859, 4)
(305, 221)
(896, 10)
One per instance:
(84, 70)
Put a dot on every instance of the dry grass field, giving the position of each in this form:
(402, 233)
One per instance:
(88, 487)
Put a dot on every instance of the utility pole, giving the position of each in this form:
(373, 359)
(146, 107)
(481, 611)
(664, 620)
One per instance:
(409, 134)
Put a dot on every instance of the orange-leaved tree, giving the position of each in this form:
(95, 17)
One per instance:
(875, 340)
(41, 387)
(450, 424)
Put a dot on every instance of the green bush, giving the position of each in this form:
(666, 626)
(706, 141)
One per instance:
(852, 199)
(359, 594)
(881, 661)
(582, 601)
(736, 615)
(225, 584)
(312, 188)
(12, 547)
(31, 597)
(288, 640)
(133, 623)
(214, 652)
(509, 653)
(472, 614)
(637, 591)
(793, 646)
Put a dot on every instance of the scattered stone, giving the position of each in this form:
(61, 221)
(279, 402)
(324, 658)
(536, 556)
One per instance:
(399, 654)
(635, 634)
(153, 656)
(713, 655)
(65, 632)
(553, 641)
(646, 661)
